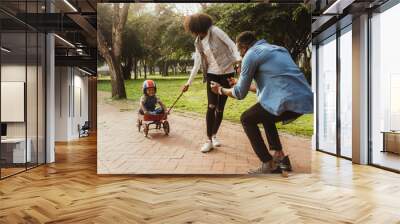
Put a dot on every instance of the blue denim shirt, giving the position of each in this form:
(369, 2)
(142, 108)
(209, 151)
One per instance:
(281, 86)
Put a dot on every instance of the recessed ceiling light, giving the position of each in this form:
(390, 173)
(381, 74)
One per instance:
(337, 7)
(5, 50)
(84, 71)
(70, 5)
(64, 40)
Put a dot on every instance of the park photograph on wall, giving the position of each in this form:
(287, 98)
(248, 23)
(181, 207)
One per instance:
(204, 88)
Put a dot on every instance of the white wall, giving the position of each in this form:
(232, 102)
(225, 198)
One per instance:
(62, 81)
(33, 126)
(12, 73)
(81, 101)
(71, 102)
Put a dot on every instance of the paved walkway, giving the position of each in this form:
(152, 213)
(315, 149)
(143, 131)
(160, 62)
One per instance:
(123, 150)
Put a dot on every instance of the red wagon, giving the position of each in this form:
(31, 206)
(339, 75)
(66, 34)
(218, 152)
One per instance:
(159, 120)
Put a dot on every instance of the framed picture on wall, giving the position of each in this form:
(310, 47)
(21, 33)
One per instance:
(12, 101)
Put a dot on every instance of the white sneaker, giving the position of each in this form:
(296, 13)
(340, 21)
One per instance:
(215, 142)
(208, 146)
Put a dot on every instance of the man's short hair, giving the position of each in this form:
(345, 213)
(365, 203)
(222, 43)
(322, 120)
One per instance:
(246, 38)
(198, 23)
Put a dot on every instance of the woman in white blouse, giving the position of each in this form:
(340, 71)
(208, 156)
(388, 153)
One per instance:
(216, 53)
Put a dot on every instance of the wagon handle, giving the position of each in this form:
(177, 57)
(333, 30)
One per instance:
(180, 95)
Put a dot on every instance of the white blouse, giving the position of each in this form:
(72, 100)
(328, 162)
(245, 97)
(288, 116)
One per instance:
(212, 63)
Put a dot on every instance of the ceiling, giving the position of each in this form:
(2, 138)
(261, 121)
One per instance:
(332, 15)
(74, 22)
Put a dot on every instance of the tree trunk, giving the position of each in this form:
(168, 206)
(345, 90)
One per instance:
(165, 69)
(160, 69)
(119, 19)
(140, 68)
(135, 68)
(127, 69)
(111, 52)
(145, 69)
(182, 67)
(118, 84)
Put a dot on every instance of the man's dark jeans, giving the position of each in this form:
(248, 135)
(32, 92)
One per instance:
(256, 115)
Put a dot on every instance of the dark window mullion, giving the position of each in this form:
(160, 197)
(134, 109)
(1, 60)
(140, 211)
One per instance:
(369, 90)
(317, 97)
(26, 87)
(73, 92)
(44, 71)
(37, 91)
(338, 73)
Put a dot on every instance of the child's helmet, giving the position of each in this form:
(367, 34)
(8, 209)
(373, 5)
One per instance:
(149, 84)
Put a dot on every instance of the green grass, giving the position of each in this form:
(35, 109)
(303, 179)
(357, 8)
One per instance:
(195, 100)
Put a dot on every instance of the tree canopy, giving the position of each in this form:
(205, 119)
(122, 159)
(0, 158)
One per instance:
(154, 39)
(286, 25)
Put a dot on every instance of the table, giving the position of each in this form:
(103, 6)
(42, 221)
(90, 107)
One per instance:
(391, 141)
(16, 147)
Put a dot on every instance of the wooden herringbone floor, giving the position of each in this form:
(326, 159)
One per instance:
(69, 191)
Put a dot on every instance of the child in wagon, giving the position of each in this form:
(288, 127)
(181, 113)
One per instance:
(149, 100)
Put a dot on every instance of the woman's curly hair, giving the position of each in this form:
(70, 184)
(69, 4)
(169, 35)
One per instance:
(198, 23)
